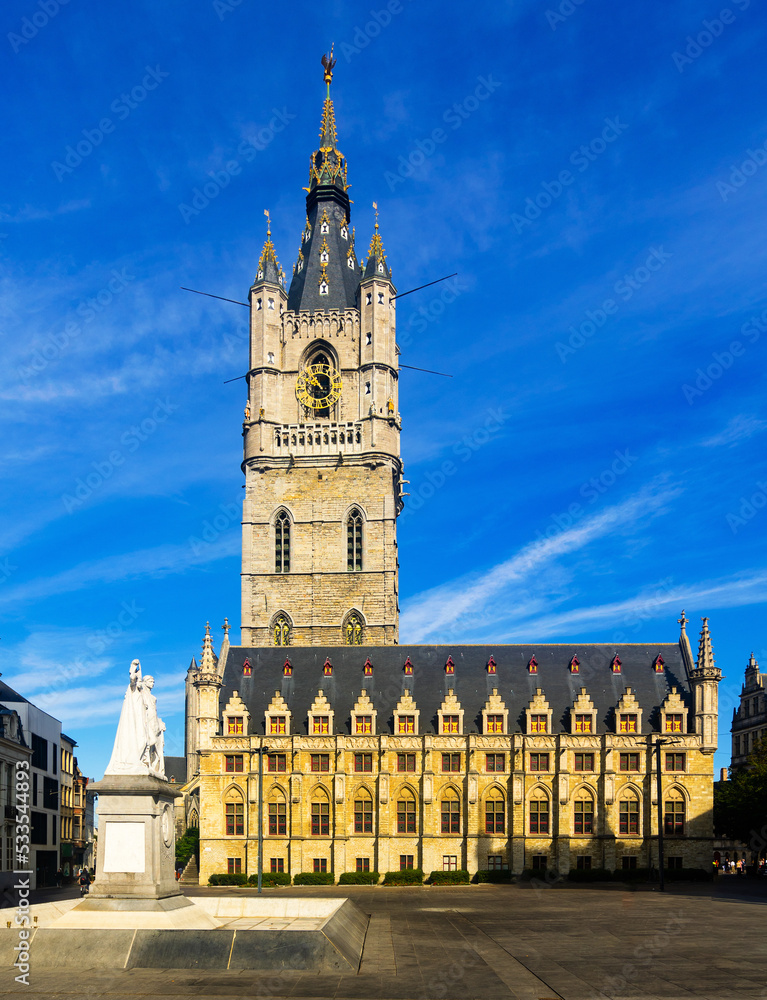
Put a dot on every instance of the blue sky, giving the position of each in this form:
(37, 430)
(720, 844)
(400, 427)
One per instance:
(597, 462)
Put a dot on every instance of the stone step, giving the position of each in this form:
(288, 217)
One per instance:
(190, 875)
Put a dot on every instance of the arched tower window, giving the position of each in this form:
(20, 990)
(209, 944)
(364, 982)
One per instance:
(281, 630)
(354, 541)
(354, 629)
(282, 545)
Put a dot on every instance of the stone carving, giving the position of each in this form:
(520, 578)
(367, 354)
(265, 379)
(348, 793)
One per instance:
(139, 742)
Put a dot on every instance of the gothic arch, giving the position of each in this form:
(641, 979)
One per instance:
(232, 792)
(495, 790)
(354, 535)
(353, 628)
(363, 789)
(282, 508)
(282, 532)
(316, 347)
(281, 629)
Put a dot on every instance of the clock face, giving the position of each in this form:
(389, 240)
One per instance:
(319, 386)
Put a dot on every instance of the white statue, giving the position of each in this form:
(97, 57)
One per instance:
(139, 741)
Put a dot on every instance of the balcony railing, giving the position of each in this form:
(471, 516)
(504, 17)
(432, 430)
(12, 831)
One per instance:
(318, 439)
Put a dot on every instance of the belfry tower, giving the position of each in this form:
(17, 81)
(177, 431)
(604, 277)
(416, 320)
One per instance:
(322, 430)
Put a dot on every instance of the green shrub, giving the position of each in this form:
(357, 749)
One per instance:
(485, 875)
(270, 879)
(589, 875)
(188, 845)
(314, 878)
(225, 878)
(410, 876)
(687, 875)
(359, 878)
(632, 874)
(458, 877)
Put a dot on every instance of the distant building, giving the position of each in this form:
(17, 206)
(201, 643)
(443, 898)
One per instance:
(42, 733)
(749, 719)
(67, 778)
(13, 751)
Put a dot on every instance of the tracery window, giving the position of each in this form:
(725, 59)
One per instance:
(673, 815)
(282, 630)
(277, 819)
(354, 541)
(282, 546)
(539, 813)
(406, 815)
(583, 812)
(451, 813)
(495, 814)
(628, 815)
(363, 815)
(353, 630)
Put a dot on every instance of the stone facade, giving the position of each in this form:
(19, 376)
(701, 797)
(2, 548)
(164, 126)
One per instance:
(749, 719)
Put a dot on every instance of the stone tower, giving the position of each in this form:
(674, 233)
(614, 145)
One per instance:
(321, 433)
(704, 681)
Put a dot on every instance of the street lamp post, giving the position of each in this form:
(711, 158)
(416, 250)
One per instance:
(658, 744)
(261, 751)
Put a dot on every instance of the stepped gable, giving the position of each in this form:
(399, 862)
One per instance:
(471, 682)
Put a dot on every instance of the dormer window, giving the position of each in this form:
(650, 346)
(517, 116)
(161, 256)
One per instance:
(260, 275)
(324, 257)
(408, 668)
(324, 227)
(320, 725)
(234, 725)
(491, 665)
(350, 263)
(539, 724)
(277, 725)
(344, 233)
(627, 723)
(368, 668)
(380, 271)
(300, 265)
(406, 725)
(247, 670)
(323, 288)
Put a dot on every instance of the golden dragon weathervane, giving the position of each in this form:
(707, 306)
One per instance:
(328, 62)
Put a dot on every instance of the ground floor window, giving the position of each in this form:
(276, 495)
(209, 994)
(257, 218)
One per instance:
(449, 862)
(320, 864)
(277, 864)
(539, 862)
(496, 863)
(583, 862)
(363, 864)
(234, 866)
(628, 862)
(405, 862)
(674, 862)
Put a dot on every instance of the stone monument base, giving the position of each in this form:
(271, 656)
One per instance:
(137, 836)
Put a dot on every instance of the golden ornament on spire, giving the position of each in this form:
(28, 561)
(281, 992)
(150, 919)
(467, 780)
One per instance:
(328, 62)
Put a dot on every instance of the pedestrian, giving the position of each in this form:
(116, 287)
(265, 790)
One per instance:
(59, 876)
(85, 881)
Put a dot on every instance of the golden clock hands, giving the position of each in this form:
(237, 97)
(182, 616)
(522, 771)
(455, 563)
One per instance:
(315, 381)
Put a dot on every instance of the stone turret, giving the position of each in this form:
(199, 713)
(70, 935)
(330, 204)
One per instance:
(207, 681)
(704, 680)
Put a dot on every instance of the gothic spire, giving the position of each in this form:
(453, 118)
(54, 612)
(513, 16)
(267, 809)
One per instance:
(376, 265)
(209, 659)
(268, 266)
(326, 274)
(705, 652)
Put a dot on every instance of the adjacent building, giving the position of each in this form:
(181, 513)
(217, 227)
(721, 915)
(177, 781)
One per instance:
(378, 756)
(15, 754)
(749, 719)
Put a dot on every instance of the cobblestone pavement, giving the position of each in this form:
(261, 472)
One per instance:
(531, 942)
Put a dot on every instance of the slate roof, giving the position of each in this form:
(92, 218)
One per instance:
(471, 682)
(8, 694)
(175, 768)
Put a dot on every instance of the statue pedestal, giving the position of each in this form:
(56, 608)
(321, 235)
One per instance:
(137, 838)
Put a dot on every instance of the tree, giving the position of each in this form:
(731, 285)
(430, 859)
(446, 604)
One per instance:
(740, 804)
(187, 845)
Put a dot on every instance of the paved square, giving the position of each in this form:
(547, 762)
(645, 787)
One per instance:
(532, 942)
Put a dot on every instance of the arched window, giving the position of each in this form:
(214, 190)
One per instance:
(282, 629)
(406, 822)
(673, 814)
(495, 813)
(278, 820)
(321, 817)
(234, 813)
(539, 812)
(282, 544)
(354, 541)
(583, 814)
(451, 812)
(628, 814)
(363, 812)
(353, 629)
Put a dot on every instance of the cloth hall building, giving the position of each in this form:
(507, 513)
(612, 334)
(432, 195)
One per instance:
(379, 756)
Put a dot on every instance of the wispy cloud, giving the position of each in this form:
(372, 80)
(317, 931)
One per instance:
(516, 583)
(740, 428)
